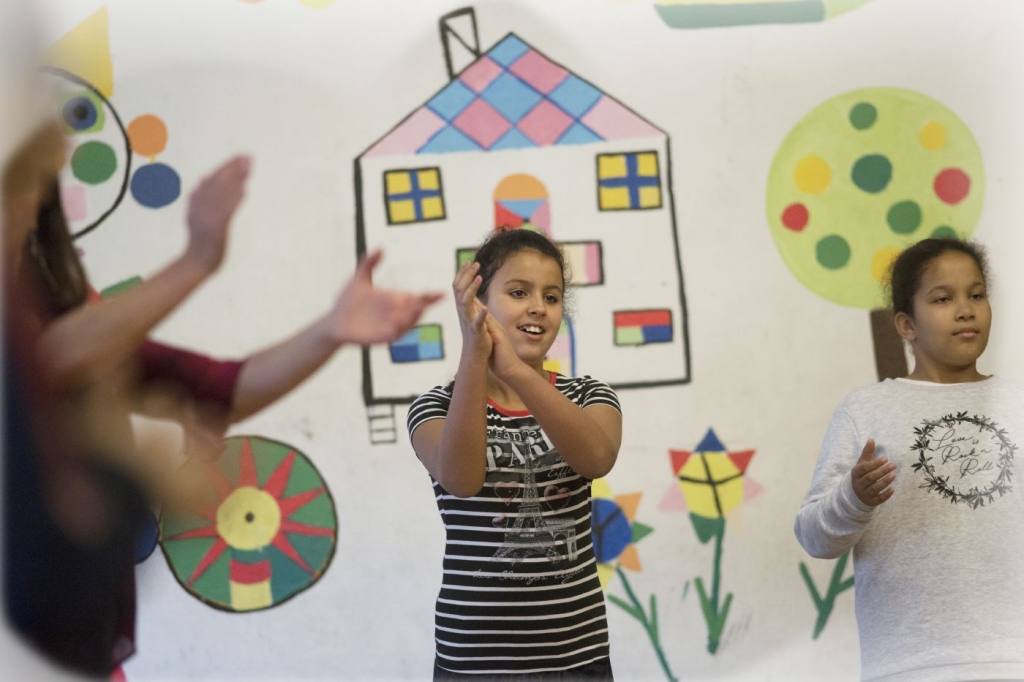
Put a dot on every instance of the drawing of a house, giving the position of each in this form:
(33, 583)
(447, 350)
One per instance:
(517, 139)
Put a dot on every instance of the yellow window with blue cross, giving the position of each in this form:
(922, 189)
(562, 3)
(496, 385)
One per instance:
(629, 181)
(413, 195)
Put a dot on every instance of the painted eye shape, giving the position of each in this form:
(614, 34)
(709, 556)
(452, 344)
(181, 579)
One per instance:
(82, 113)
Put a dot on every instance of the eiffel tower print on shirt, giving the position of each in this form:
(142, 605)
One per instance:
(533, 535)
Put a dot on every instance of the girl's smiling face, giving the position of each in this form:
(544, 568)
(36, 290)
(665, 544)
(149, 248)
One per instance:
(525, 296)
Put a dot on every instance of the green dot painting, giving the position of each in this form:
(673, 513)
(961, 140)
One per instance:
(863, 115)
(872, 171)
(904, 217)
(262, 529)
(833, 252)
(94, 162)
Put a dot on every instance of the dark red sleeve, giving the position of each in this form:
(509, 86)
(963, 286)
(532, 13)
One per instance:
(201, 378)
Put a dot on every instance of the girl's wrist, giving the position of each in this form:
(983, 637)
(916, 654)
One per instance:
(517, 374)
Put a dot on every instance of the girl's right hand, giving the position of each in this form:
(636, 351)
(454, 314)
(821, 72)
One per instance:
(872, 477)
(472, 313)
(210, 208)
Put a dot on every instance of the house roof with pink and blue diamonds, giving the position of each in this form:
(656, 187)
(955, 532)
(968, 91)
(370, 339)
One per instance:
(513, 97)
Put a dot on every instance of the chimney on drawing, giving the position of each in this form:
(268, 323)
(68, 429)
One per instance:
(460, 40)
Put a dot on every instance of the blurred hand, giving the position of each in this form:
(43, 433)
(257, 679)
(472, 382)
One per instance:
(211, 206)
(365, 315)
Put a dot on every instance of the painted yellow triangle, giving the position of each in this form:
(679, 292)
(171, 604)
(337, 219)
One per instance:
(85, 52)
(605, 573)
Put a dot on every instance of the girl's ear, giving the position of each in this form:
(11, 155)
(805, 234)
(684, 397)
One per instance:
(905, 327)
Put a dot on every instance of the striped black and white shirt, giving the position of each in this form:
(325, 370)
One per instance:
(520, 592)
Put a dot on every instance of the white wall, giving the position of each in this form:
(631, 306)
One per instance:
(305, 91)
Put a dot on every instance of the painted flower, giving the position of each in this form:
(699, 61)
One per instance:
(615, 532)
(711, 481)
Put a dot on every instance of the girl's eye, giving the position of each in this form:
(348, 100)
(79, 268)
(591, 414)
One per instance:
(517, 293)
(942, 299)
(978, 297)
(551, 298)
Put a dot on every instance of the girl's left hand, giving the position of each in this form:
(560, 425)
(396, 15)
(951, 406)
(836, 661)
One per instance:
(504, 361)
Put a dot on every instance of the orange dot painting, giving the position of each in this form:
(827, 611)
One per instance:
(147, 135)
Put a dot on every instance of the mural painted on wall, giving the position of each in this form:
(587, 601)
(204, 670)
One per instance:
(615, 534)
(516, 139)
(689, 14)
(314, 4)
(262, 529)
(711, 483)
(860, 178)
(99, 174)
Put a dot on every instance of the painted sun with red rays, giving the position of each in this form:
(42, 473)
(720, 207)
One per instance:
(264, 530)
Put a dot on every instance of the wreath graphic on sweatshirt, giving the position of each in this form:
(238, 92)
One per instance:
(964, 458)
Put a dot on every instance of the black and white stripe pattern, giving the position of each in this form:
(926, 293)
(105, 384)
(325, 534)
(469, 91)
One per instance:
(520, 591)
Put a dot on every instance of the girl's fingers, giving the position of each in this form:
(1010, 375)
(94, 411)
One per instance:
(878, 473)
(879, 486)
(465, 276)
(459, 275)
(469, 294)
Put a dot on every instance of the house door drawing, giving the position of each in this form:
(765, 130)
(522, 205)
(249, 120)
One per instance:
(521, 202)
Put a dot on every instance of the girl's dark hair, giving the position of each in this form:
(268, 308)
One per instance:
(50, 247)
(907, 269)
(506, 242)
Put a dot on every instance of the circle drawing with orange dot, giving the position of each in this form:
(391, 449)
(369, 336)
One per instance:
(862, 177)
(261, 529)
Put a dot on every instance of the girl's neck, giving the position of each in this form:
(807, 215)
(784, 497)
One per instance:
(946, 375)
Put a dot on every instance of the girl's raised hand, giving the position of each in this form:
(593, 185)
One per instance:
(210, 209)
(364, 314)
(504, 361)
(872, 477)
(472, 313)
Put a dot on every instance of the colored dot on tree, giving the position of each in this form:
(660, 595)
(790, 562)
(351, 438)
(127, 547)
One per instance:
(833, 252)
(933, 136)
(812, 175)
(881, 263)
(904, 217)
(872, 173)
(944, 232)
(155, 185)
(147, 135)
(952, 185)
(795, 217)
(80, 113)
(863, 115)
(93, 162)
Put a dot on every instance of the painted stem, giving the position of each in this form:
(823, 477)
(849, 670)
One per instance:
(713, 615)
(650, 622)
(836, 586)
